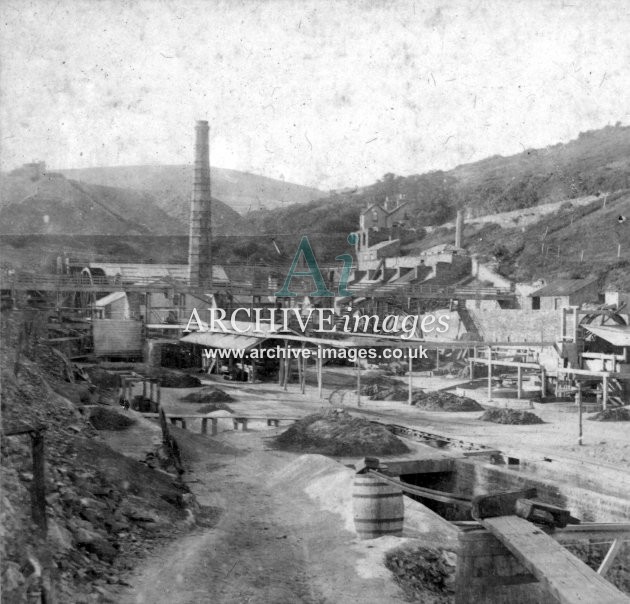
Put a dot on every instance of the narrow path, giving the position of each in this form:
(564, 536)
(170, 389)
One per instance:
(270, 545)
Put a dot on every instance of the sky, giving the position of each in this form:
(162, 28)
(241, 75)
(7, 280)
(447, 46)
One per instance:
(323, 93)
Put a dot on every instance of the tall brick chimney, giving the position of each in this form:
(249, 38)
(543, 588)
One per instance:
(200, 241)
(459, 228)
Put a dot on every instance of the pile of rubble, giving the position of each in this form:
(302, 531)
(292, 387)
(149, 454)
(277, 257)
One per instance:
(426, 574)
(208, 394)
(510, 416)
(103, 510)
(388, 389)
(614, 414)
(168, 378)
(444, 401)
(337, 433)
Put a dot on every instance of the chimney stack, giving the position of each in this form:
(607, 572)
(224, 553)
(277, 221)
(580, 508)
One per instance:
(459, 228)
(200, 241)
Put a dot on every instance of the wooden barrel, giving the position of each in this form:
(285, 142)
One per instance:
(378, 507)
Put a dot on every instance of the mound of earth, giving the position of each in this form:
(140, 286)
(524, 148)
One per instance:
(378, 387)
(212, 407)
(102, 377)
(426, 574)
(444, 401)
(620, 414)
(168, 378)
(338, 433)
(208, 394)
(103, 418)
(510, 416)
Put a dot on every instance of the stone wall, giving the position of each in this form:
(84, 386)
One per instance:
(515, 325)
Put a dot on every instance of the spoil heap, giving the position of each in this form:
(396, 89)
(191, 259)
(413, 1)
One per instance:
(510, 416)
(168, 378)
(104, 510)
(388, 389)
(426, 574)
(337, 433)
(444, 401)
(103, 418)
(208, 394)
(620, 414)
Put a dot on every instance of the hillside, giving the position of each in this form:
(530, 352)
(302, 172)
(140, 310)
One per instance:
(51, 204)
(172, 185)
(577, 240)
(595, 162)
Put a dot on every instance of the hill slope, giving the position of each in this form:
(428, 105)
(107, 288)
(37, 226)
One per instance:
(55, 205)
(172, 185)
(577, 240)
(596, 161)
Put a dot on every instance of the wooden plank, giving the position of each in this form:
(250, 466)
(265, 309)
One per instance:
(442, 496)
(566, 578)
(607, 562)
(38, 486)
(501, 363)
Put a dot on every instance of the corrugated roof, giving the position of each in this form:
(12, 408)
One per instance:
(222, 340)
(139, 270)
(562, 287)
(617, 335)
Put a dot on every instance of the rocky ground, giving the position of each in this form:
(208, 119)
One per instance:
(105, 511)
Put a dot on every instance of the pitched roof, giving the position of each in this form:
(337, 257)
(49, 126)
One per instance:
(562, 287)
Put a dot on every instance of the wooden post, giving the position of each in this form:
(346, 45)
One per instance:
(578, 395)
(410, 399)
(159, 392)
(215, 426)
(280, 370)
(437, 358)
(604, 392)
(38, 488)
(610, 557)
(519, 382)
(543, 383)
(489, 373)
(582, 256)
(300, 360)
(319, 372)
(144, 388)
(358, 383)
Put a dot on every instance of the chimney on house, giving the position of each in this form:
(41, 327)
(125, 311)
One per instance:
(200, 240)
(459, 228)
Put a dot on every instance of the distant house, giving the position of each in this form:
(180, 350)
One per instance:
(565, 293)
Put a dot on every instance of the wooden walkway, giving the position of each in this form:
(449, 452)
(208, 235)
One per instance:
(237, 420)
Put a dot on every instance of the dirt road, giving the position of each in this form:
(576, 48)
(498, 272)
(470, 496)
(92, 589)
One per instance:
(272, 543)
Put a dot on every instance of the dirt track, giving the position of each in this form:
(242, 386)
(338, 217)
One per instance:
(272, 543)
